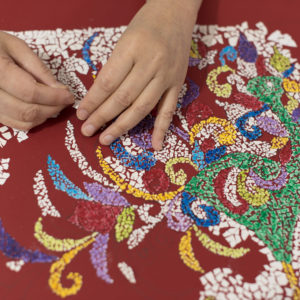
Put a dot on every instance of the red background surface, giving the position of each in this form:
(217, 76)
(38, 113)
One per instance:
(155, 272)
(33, 14)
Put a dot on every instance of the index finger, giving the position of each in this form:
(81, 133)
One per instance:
(23, 86)
(135, 113)
(108, 80)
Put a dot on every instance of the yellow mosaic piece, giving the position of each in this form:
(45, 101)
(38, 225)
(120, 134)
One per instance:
(260, 197)
(186, 253)
(194, 53)
(293, 280)
(218, 248)
(124, 225)
(54, 244)
(180, 177)
(57, 269)
(279, 61)
(221, 90)
(279, 142)
(130, 189)
(227, 137)
(291, 86)
(291, 105)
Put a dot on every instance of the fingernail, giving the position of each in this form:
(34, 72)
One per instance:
(82, 114)
(88, 129)
(107, 140)
(158, 146)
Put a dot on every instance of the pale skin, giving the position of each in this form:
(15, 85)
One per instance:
(147, 68)
(29, 93)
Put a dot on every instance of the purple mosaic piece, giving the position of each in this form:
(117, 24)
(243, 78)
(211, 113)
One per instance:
(182, 223)
(140, 133)
(104, 195)
(11, 248)
(191, 94)
(180, 132)
(273, 185)
(146, 124)
(271, 126)
(98, 257)
(247, 50)
(142, 140)
(296, 115)
(193, 62)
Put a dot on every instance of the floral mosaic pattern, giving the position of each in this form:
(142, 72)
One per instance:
(229, 167)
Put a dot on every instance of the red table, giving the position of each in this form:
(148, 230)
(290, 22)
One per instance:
(160, 269)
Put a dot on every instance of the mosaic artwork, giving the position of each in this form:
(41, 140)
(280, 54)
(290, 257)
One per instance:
(226, 181)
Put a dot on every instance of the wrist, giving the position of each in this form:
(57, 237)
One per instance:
(188, 7)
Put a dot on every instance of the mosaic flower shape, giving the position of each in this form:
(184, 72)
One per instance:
(95, 216)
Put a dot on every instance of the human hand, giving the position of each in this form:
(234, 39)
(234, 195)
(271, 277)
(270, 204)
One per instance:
(148, 66)
(29, 93)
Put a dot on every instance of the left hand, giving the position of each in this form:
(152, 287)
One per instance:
(148, 66)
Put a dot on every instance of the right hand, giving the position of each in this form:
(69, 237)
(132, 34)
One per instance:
(29, 93)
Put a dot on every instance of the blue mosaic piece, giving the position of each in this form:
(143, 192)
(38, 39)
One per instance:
(62, 183)
(213, 216)
(229, 52)
(11, 248)
(86, 51)
(287, 73)
(215, 154)
(191, 94)
(198, 156)
(241, 123)
(143, 161)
